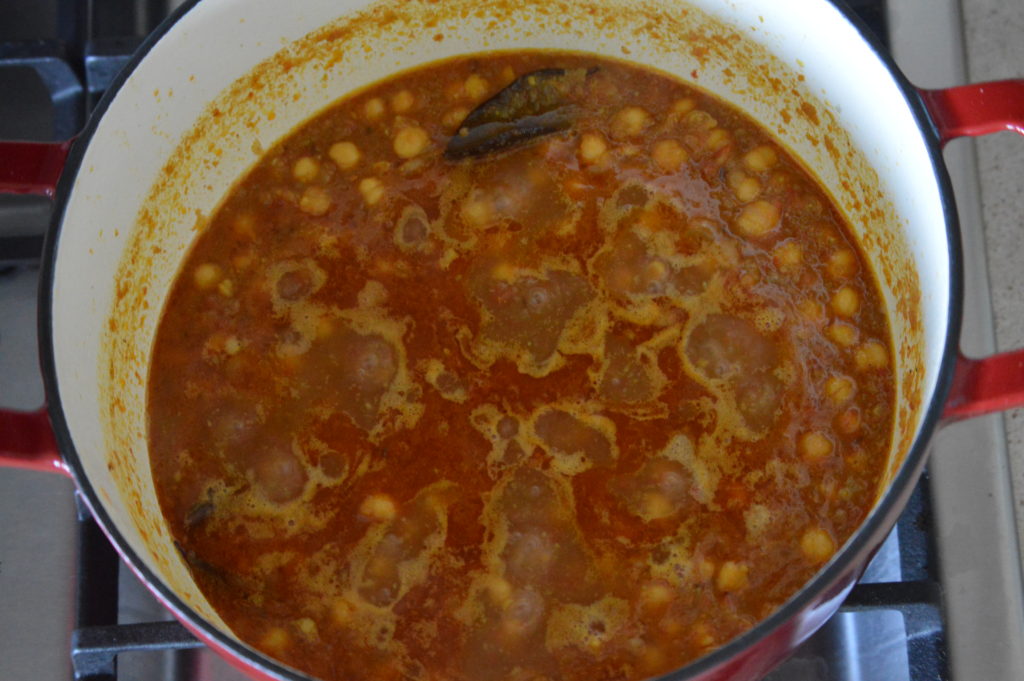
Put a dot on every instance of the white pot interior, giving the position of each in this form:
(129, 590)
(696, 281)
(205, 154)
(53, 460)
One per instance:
(195, 113)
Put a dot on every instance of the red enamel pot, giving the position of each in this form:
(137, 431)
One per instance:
(222, 79)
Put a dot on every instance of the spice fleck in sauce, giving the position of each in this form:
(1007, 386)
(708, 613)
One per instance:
(586, 407)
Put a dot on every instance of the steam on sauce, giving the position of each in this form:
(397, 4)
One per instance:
(585, 406)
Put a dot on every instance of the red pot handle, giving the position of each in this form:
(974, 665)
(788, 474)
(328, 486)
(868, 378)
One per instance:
(32, 167)
(988, 384)
(979, 109)
(26, 441)
(26, 438)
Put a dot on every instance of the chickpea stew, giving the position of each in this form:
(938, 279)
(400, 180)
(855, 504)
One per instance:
(585, 407)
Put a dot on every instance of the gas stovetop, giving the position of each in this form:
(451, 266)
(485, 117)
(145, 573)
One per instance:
(941, 600)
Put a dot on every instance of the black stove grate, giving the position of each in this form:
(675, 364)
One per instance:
(72, 65)
(918, 595)
(59, 57)
(98, 638)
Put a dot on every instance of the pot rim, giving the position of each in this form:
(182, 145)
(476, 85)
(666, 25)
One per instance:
(880, 519)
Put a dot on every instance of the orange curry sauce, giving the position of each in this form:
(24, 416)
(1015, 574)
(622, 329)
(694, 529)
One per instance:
(583, 409)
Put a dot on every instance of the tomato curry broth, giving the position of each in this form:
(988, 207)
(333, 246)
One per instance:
(583, 408)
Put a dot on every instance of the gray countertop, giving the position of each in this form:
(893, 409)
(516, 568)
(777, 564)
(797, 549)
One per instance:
(994, 39)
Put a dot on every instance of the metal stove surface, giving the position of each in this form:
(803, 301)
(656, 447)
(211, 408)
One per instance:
(38, 520)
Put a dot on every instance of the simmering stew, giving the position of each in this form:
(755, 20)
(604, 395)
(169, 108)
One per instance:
(518, 366)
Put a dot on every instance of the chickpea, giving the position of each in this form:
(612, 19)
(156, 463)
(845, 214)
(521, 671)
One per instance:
(453, 118)
(669, 155)
(592, 147)
(207, 275)
(717, 139)
(656, 594)
(699, 119)
(372, 190)
(504, 271)
(345, 155)
(750, 279)
(308, 627)
(226, 288)
(374, 108)
(846, 302)
(758, 218)
(743, 186)
(871, 355)
(655, 271)
(760, 159)
(780, 181)
(656, 506)
(815, 446)
(378, 507)
(732, 576)
(476, 87)
(681, 107)
(477, 212)
(410, 142)
(789, 255)
(630, 121)
(843, 334)
(702, 634)
(244, 225)
(842, 264)
(232, 345)
(342, 611)
(276, 639)
(402, 101)
(817, 545)
(840, 389)
(315, 201)
(306, 169)
(812, 310)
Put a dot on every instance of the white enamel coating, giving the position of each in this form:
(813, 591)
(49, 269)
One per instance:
(220, 41)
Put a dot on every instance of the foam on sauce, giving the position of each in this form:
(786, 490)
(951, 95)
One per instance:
(587, 408)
